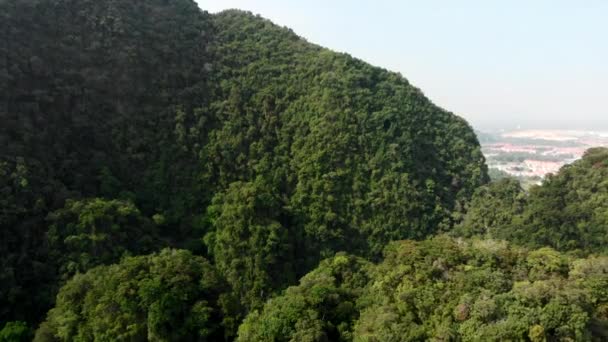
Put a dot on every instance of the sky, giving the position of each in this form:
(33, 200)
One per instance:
(498, 64)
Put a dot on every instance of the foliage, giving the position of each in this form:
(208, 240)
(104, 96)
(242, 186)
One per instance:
(15, 332)
(321, 308)
(443, 289)
(168, 296)
(161, 106)
(568, 211)
(251, 248)
(492, 209)
(93, 232)
(128, 126)
(25, 275)
(88, 91)
(354, 155)
(479, 290)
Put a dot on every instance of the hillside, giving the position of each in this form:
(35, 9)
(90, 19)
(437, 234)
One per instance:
(157, 123)
(442, 289)
(568, 211)
(171, 175)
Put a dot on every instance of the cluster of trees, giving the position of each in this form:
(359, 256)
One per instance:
(440, 289)
(568, 212)
(169, 296)
(88, 93)
(133, 126)
(167, 174)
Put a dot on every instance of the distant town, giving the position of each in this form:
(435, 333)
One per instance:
(530, 155)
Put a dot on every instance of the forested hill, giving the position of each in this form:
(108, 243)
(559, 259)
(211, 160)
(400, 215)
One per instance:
(568, 212)
(131, 126)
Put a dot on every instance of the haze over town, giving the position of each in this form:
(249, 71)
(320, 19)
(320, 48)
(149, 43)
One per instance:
(530, 155)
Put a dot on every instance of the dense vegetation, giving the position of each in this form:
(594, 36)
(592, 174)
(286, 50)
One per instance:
(129, 126)
(442, 289)
(167, 174)
(172, 296)
(568, 212)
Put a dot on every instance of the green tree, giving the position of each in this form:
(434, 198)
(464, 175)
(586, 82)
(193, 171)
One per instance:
(15, 332)
(250, 246)
(441, 289)
(160, 104)
(168, 296)
(568, 211)
(321, 308)
(492, 209)
(95, 231)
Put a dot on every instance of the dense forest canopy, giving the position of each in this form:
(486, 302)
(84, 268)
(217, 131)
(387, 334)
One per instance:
(568, 212)
(169, 296)
(442, 289)
(154, 120)
(168, 174)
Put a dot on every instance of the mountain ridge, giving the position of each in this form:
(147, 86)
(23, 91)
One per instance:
(222, 134)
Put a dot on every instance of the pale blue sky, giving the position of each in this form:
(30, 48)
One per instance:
(532, 63)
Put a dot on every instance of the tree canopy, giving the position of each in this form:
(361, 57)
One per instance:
(93, 232)
(568, 211)
(169, 296)
(442, 289)
(168, 174)
(129, 126)
(321, 308)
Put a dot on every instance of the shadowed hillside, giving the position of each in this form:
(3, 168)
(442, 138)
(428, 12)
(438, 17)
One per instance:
(130, 126)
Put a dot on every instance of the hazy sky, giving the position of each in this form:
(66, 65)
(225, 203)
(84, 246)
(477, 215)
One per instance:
(532, 63)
